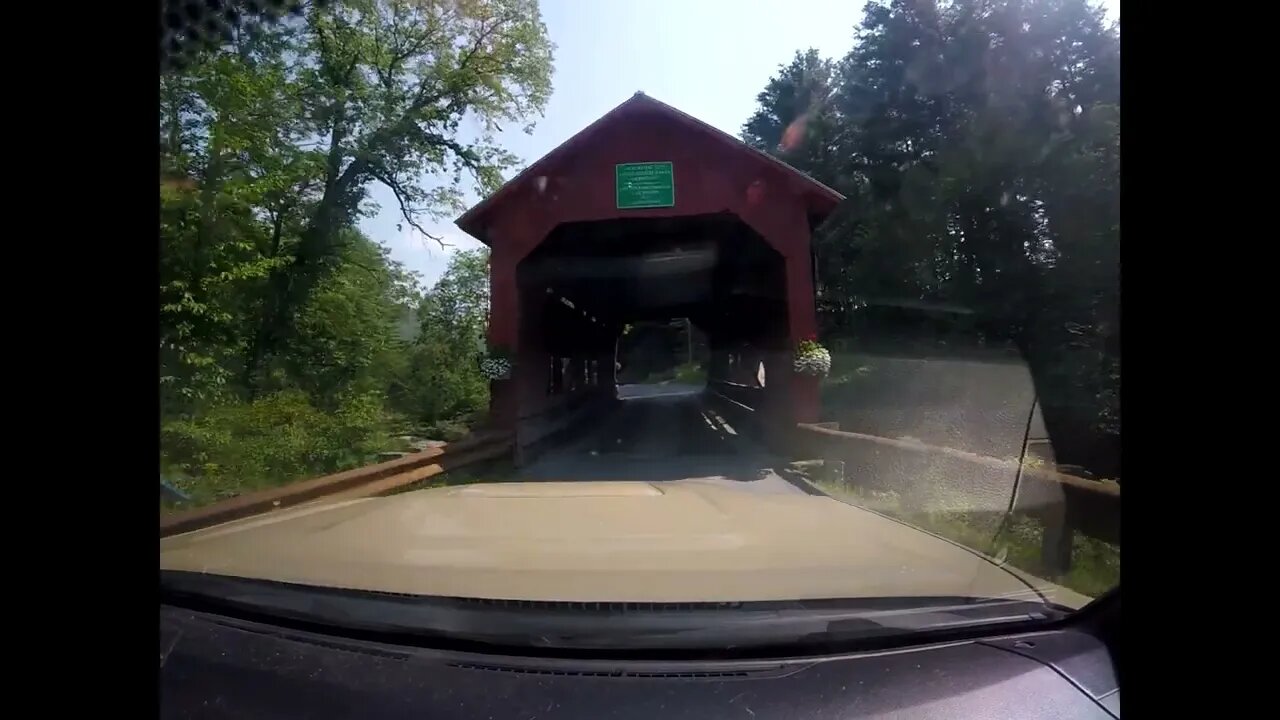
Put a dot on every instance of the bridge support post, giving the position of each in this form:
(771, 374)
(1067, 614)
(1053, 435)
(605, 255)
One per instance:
(806, 394)
(607, 372)
(802, 321)
(503, 333)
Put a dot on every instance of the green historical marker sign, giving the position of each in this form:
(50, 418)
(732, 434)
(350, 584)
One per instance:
(644, 185)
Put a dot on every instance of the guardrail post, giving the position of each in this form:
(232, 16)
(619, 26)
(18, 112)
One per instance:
(1055, 544)
(834, 470)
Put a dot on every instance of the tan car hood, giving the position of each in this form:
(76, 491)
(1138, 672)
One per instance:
(684, 541)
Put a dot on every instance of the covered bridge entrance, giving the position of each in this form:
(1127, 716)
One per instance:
(648, 213)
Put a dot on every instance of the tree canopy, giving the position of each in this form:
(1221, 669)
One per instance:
(271, 139)
(978, 142)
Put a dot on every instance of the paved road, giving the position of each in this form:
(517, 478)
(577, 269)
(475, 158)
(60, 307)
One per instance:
(663, 433)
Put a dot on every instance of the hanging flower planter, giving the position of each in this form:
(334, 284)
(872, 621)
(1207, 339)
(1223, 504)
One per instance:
(811, 359)
(497, 365)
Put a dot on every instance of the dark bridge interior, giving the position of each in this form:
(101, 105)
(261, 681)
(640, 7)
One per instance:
(588, 280)
(712, 269)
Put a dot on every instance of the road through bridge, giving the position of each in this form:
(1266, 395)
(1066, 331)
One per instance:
(659, 433)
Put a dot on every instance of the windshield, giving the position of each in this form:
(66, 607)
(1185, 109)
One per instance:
(765, 323)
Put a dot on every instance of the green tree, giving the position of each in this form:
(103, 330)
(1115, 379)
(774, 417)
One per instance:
(442, 379)
(347, 340)
(978, 143)
(386, 85)
(274, 307)
(271, 140)
(236, 181)
(795, 118)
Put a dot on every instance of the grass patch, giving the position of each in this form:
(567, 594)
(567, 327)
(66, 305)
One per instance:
(1095, 565)
(687, 374)
(239, 448)
(848, 369)
(851, 376)
(691, 374)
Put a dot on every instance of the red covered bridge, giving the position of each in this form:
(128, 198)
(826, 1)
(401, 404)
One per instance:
(648, 213)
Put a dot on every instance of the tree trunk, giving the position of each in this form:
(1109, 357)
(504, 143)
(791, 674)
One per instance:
(289, 288)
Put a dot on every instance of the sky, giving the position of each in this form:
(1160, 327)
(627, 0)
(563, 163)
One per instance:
(709, 58)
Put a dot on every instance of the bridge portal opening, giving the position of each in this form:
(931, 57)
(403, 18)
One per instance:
(590, 285)
(672, 351)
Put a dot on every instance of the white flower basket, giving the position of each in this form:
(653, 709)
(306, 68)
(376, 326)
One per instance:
(812, 359)
(496, 368)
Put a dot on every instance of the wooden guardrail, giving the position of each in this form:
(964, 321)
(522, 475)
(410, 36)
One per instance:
(367, 481)
(927, 476)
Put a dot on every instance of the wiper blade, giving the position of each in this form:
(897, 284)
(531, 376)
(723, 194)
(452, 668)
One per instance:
(570, 627)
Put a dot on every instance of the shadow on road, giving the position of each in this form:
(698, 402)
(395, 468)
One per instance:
(661, 433)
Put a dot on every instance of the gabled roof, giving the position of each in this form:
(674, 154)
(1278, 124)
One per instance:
(472, 221)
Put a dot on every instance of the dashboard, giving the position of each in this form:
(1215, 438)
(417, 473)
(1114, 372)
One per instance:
(215, 666)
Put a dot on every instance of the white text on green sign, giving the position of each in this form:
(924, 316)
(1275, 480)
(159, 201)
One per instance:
(644, 185)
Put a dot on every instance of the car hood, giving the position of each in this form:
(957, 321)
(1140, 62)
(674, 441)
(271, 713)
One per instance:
(599, 541)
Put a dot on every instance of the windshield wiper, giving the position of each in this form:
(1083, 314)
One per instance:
(601, 626)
